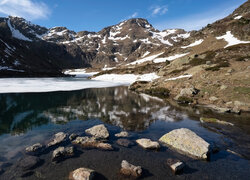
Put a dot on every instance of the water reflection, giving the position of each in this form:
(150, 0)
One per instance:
(117, 106)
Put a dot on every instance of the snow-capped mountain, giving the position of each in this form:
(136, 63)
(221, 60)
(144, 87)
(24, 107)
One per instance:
(27, 49)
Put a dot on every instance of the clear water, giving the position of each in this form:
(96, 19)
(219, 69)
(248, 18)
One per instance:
(28, 118)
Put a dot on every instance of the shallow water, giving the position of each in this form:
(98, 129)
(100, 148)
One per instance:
(28, 118)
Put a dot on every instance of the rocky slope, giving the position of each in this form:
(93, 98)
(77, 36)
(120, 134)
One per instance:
(211, 67)
(31, 50)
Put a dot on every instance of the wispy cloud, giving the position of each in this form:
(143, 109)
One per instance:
(134, 15)
(158, 10)
(28, 9)
(195, 22)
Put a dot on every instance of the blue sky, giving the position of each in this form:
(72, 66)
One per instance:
(93, 15)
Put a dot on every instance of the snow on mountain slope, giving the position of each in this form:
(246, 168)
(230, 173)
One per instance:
(149, 58)
(126, 78)
(231, 40)
(196, 43)
(16, 33)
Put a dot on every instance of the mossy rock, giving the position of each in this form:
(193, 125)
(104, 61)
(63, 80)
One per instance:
(184, 100)
(214, 120)
(218, 66)
(159, 92)
(138, 84)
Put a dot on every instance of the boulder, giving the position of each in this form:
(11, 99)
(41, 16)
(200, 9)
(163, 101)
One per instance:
(130, 170)
(213, 120)
(189, 92)
(73, 136)
(124, 142)
(35, 148)
(175, 165)
(98, 131)
(122, 134)
(61, 152)
(82, 174)
(58, 138)
(186, 141)
(148, 144)
(92, 142)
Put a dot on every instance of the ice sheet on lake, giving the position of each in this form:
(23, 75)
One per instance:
(19, 85)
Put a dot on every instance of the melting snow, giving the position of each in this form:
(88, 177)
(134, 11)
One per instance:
(196, 43)
(179, 77)
(16, 33)
(79, 73)
(126, 78)
(170, 58)
(149, 58)
(238, 17)
(231, 40)
(146, 53)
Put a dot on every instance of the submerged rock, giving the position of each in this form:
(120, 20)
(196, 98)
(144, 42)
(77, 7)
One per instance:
(92, 142)
(24, 166)
(122, 134)
(58, 138)
(28, 162)
(82, 174)
(148, 144)
(61, 152)
(130, 170)
(35, 148)
(124, 142)
(175, 165)
(213, 120)
(99, 131)
(187, 142)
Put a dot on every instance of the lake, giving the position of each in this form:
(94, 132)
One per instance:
(32, 113)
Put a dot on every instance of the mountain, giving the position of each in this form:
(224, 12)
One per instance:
(210, 67)
(31, 50)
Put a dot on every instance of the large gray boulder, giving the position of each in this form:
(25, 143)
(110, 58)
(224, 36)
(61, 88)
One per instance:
(186, 141)
(98, 131)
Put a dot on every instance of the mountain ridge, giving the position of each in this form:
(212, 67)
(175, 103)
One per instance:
(54, 49)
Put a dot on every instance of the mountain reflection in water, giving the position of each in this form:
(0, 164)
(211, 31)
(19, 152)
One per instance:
(117, 106)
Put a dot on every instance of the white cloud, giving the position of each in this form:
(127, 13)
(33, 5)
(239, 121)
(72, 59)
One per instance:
(27, 9)
(134, 15)
(158, 10)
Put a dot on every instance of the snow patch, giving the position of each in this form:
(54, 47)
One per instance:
(126, 78)
(238, 17)
(16, 33)
(79, 72)
(145, 54)
(196, 43)
(149, 58)
(231, 40)
(179, 77)
(170, 58)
